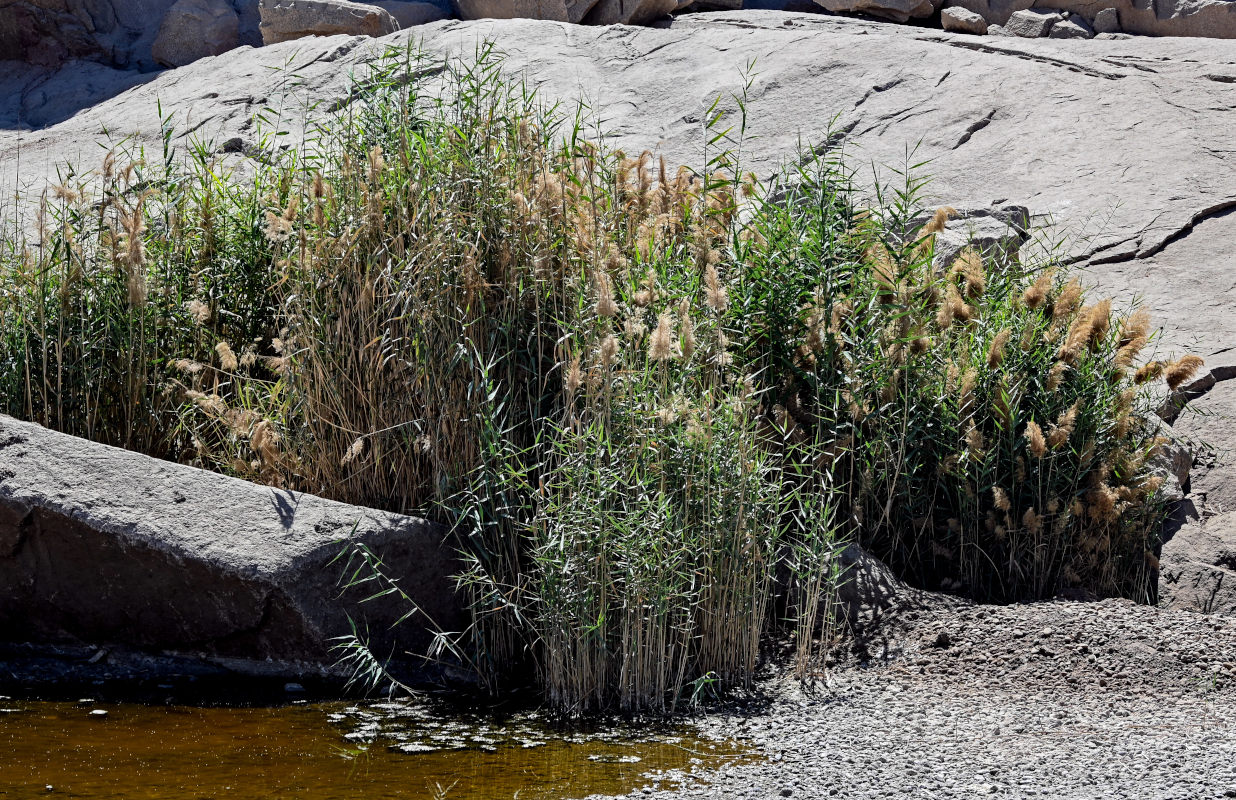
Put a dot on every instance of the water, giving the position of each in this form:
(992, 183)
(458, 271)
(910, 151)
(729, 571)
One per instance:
(322, 751)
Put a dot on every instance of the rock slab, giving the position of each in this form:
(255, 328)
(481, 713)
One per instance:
(285, 20)
(106, 547)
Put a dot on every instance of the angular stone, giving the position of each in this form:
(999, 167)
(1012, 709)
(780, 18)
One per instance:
(1107, 20)
(962, 20)
(1197, 565)
(555, 10)
(895, 10)
(998, 233)
(285, 20)
(1075, 27)
(103, 546)
(194, 29)
(1032, 23)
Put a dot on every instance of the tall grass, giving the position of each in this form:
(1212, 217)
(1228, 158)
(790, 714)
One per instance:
(649, 399)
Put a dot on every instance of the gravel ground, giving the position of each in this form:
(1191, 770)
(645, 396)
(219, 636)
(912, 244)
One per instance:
(1062, 700)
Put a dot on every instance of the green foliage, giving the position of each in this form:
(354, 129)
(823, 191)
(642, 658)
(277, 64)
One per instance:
(649, 400)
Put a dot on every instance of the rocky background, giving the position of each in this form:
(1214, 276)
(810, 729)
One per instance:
(151, 34)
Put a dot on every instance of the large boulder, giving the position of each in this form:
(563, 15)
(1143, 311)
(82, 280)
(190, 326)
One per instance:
(1032, 23)
(554, 10)
(194, 29)
(119, 33)
(895, 10)
(285, 20)
(107, 547)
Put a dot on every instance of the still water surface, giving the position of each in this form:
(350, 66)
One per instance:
(323, 751)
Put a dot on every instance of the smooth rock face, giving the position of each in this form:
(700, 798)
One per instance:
(895, 10)
(1032, 23)
(285, 20)
(963, 20)
(195, 29)
(103, 546)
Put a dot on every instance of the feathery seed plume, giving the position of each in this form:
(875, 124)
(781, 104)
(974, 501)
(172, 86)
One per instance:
(1149, 372)
(995, 353)
(227, 358)
(1182, 369)
(660, 346)
(1034, 437)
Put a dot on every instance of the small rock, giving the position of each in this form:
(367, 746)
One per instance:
(963, 20)
(1107, 20)
(293, 688)
(1032, 23)
(98, 712)
(1074, 27)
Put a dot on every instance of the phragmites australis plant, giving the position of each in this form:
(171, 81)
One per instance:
(650, 400)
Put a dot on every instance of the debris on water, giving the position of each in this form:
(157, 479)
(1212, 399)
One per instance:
(98, 712)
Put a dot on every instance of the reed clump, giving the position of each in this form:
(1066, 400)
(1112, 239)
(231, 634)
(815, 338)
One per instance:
(651, 400)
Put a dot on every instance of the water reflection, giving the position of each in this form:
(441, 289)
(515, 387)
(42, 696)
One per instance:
(323, 751)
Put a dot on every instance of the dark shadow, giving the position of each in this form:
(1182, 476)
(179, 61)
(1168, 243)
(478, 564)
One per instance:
(32, 97)
(285, 503)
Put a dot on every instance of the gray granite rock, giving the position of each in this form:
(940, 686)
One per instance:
(195, 29)
(1032, 23)
(1107, 20)
(285, 20)
(1207, 18)
(107, 547)
(1075, 27)
(962, 20)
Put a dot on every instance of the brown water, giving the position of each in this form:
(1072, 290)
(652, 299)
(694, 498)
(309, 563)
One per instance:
(321, 752)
